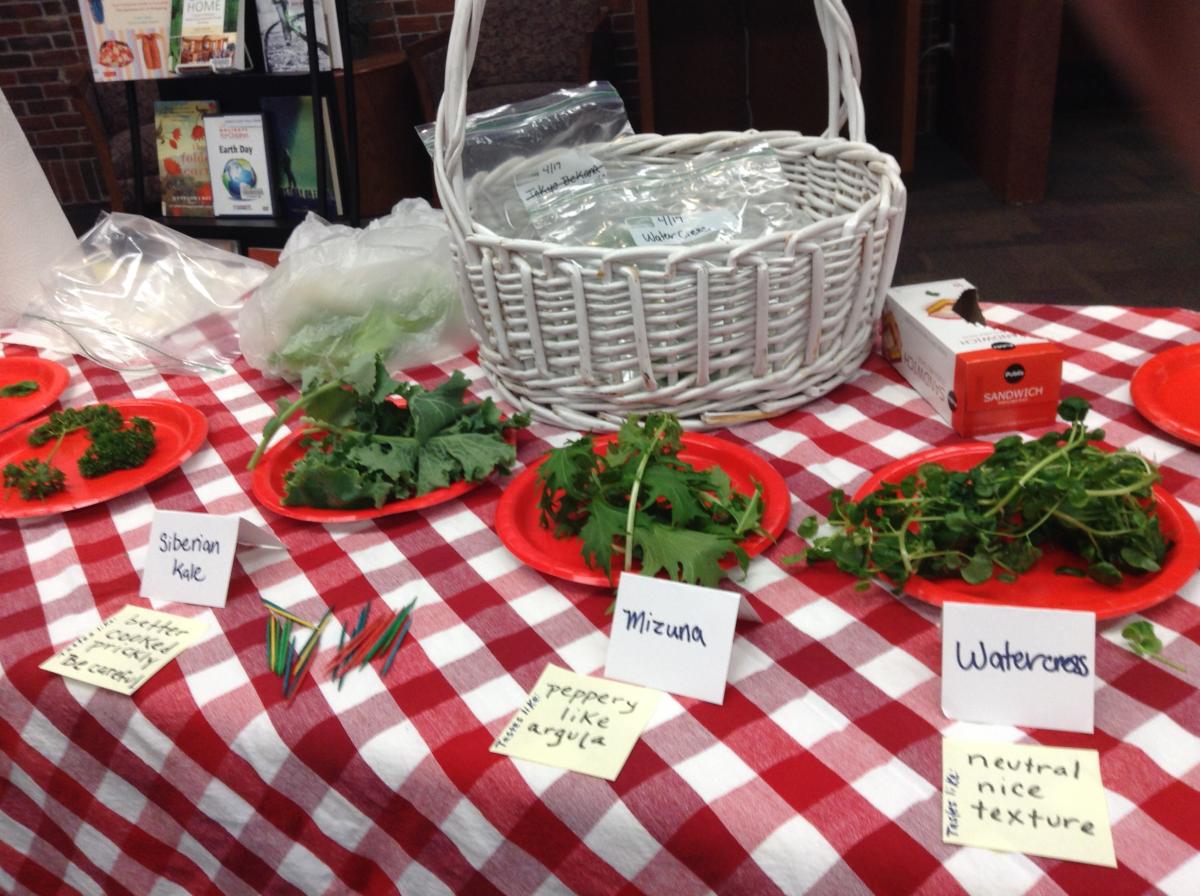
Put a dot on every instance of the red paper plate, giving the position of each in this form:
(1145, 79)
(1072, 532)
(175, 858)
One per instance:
(1041, 586)
(50, 377)
(1164, 390)
(179, 429)
(519, 526)
(267, 486)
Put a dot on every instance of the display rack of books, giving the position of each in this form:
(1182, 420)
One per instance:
(247, 127)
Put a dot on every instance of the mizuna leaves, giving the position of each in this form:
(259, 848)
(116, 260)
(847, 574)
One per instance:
(683, 521)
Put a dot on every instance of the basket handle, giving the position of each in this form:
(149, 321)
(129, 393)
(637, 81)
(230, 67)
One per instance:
(842, 66)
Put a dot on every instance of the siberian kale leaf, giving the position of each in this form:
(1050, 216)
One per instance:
(370, 448)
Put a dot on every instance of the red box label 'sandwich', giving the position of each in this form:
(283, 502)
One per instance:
(980, 378)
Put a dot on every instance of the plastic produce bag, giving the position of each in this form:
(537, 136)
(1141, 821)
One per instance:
(556, 129)
(573, 116)
(134, 295)
(718, 196)
(341, 294)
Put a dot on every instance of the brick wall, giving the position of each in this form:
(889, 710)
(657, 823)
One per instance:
(41, 39)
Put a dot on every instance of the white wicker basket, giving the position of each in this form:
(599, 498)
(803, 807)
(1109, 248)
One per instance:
(717, 333)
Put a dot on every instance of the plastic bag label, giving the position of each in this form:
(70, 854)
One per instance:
(653, 230)
(568, 169)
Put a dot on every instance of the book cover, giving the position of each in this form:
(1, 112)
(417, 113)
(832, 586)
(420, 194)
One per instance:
(290, 120)
(230, 246)
(206, 35)
(126, 39)
(334, 30)
(335, 185)
(183, 157)
(264, 254)
(238, 165)
(284, 33)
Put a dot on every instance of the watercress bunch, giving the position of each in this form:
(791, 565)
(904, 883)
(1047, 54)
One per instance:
(996, 518)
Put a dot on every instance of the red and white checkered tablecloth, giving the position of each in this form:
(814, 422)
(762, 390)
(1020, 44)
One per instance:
(819, 773)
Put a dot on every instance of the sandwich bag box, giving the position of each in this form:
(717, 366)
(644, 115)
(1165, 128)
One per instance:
(238, 165)
(980, 378)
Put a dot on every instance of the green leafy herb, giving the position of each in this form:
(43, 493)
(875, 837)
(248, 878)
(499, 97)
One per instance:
(373, 449)
(19, 389)
(996, 518)
(639, 500)
(112, 447)
(34, 479)
(95, 418)
(1144, 642)
(118, 449)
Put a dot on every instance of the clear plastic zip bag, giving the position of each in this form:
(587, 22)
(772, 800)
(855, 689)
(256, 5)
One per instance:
(501, 184)
(135, 295)
(714, 197)
(573, 116)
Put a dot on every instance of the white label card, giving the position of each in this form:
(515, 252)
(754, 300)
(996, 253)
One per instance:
(652, 230)
(190, 555)
(1019, 666)
(567, 169)
(672, 637)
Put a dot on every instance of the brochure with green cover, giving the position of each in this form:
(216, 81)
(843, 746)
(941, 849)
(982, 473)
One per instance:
(290, 124)
(206, 35)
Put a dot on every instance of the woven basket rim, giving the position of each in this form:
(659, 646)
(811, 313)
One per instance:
(881, 164)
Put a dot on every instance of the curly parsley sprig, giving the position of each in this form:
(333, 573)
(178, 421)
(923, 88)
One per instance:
(113, 447)
(34, 478)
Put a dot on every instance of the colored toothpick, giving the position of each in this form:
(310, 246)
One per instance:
(368, 640)
(283, 659)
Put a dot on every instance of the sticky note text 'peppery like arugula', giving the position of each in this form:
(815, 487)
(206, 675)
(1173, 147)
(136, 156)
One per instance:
(995, 519)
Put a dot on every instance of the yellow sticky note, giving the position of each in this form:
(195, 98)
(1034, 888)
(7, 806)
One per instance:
(578, 722)
(126, 648)
(1042, 801)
